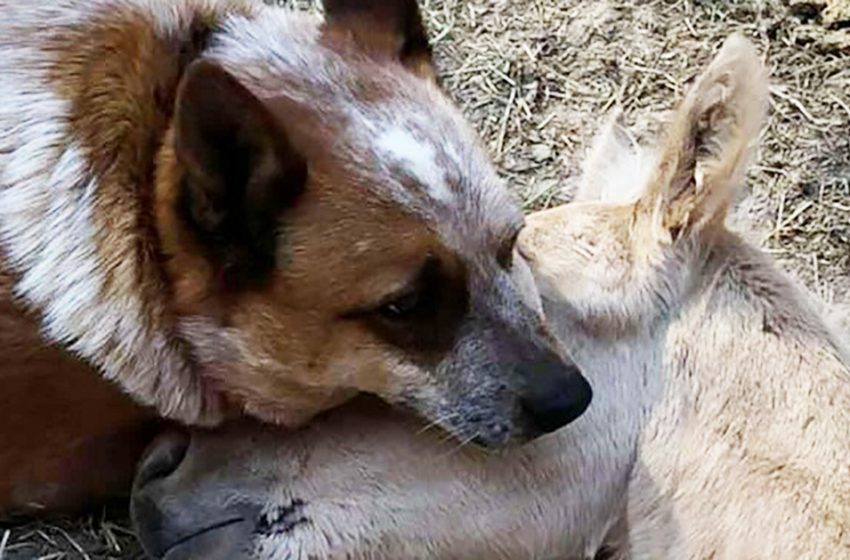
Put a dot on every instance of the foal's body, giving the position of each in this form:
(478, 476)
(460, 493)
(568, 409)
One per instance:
(720, 427)
(746, 453)
(737, 408)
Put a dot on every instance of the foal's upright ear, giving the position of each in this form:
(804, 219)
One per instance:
(708, 145)
(614, 169)
(240, 172)
(391, 27)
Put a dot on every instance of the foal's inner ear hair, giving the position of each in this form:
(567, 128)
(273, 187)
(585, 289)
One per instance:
(708, 146)
(393, 27)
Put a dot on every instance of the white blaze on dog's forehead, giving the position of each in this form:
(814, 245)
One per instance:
(416, 157)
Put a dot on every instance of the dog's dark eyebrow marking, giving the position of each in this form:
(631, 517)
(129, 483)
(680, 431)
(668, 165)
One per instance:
(413, 283)
(428, 330)
(507, 241)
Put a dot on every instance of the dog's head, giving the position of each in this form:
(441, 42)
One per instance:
(333, 226)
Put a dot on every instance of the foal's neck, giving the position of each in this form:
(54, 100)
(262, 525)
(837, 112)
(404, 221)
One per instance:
(743, 339)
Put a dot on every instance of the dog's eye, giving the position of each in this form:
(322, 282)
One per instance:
(505, 256)
(403, 306)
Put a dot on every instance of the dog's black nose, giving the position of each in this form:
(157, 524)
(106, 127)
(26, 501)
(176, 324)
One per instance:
(558, 395)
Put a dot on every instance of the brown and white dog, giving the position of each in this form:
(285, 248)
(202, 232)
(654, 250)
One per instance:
(223, 206)
(720, 426)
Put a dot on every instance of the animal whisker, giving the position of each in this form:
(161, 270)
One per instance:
(437, 422)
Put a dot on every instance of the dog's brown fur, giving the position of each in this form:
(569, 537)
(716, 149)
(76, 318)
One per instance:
(69, 437)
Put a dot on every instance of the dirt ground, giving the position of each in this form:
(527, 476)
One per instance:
(537, 76)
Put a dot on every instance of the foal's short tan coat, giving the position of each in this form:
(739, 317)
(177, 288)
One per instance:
(720, 428)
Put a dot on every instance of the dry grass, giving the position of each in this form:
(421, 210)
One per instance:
(94, 537)
(536, 77)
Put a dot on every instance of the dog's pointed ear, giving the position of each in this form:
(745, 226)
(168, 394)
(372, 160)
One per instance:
(240, 172)
(393, 27)
(708, 146)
